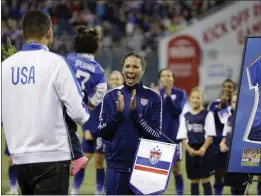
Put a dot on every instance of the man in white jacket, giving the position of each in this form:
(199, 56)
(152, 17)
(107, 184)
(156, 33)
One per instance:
(38, 91)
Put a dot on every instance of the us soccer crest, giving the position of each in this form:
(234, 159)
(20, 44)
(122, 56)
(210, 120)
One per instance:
(152, 168)
(144, 101)
(155, 155)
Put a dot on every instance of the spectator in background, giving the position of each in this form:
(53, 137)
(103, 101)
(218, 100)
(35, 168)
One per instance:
(100, 8)
(62, 11)
(135, 40)
(116, 19)
(4, 11)
(14, 12)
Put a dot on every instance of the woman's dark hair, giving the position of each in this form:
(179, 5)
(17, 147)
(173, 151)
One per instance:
(86, 40)
(230, 81)
(160, 72)
(134, 54)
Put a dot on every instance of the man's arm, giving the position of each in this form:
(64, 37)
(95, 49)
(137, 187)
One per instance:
(149, 128)
(109, 121)
(176, 107)
(69, 92)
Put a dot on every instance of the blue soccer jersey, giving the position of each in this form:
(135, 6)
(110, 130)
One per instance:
(253, 131)
(213, 106)
(172, 108)
(196, 127)
(90, 75)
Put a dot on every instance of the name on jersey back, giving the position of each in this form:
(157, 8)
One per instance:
(84, 65)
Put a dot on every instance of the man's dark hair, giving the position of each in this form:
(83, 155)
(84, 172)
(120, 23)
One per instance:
(35, 24)
(160, 72)
(230, 81)
(134, 54)
(86, 40)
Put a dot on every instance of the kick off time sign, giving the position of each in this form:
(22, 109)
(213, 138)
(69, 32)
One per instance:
(152, 167)
(210, 50)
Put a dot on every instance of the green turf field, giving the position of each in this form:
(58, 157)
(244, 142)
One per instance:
(88, 186)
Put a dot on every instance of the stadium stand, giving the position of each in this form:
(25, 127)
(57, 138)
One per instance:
(136, 25)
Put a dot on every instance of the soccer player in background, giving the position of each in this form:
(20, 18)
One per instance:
(228, 87)
(196, 130)
(90, 75)
(237, 182)
(221, 109)
(115, 79)
(127, 114)
(221, 114)
(88, 71)
(173, 102)
(92, 145)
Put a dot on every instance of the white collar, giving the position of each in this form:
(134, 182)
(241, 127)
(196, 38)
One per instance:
(90, 56)
(45, 47)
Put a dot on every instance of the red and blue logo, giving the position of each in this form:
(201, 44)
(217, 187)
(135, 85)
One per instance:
(153, 164)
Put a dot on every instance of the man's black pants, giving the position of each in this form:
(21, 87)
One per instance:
(51, 178)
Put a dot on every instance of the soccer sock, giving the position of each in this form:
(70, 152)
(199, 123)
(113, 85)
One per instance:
(194, 188)
(100, 176)
(218, 188)
(12, 179)
(77, 181)
(207, 188)
(179, 184)
(259, 188)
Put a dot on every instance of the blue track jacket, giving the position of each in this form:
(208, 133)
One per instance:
(172, 108)
(123, 130)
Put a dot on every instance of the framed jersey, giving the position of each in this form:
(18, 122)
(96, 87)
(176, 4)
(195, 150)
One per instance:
(245, 151)
(253, 130)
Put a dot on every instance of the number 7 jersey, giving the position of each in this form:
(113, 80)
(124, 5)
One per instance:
(90, 76)
(253, 130)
